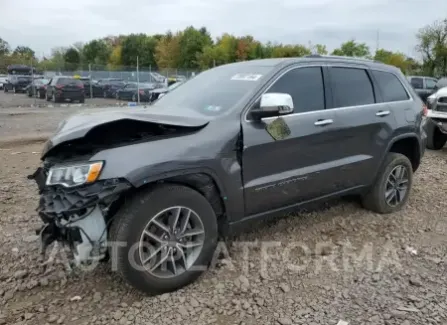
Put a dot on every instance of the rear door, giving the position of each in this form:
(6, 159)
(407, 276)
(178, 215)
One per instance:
(301, 166)
(364, 123)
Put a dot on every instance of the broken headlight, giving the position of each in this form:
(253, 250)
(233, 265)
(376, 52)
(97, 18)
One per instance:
(74, 175)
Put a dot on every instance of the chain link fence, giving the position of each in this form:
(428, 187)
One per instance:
(140, 73)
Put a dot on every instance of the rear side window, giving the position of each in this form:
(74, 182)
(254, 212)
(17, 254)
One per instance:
(351, 87)
(306, 87)
(417, 83)
(390, 86)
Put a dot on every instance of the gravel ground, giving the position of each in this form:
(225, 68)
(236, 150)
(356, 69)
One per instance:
(8, 100)
(349, 264)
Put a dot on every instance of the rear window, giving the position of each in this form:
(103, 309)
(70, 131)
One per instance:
(417, 83)
(390, 86)
(69, 81)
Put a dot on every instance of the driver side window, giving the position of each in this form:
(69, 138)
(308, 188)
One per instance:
(306, 87)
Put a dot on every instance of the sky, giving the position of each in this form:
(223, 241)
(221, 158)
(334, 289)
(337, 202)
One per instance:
(46, 24)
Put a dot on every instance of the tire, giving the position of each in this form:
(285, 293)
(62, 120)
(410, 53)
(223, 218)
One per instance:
(375, 199)
(133, 218)
(436, 140)
(5, 89)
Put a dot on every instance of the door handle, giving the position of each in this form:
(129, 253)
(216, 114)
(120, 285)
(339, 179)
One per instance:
(323, 122)
(382, 113)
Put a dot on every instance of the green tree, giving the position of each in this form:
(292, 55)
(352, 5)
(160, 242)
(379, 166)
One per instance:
(321, 49)
(141, 46)
(72, 59)
(4, 47)
(24, 52)
(290, 51)
(97, 52)
(432, 45)
(167, 51)
(192, 43)
(352, 48)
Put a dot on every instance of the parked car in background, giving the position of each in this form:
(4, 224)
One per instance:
(442, 82)
(17, 83)
(130, 91)
(237, 143)
(437, 119)
(62, 88)
(160, 92)
(3, 79)
(110, 86)
(91, 87)
(424, 86)
(38, 88)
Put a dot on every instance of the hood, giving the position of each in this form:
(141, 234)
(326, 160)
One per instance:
(77, 126)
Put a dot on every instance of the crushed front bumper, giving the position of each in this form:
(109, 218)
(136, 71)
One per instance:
(77, 216)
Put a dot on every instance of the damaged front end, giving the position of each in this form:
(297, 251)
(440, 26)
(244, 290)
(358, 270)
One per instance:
(77, 216)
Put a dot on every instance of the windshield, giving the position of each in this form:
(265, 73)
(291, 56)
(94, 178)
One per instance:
(215, 91)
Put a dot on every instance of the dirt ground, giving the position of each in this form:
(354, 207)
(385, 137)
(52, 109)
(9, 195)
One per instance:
(349, 264)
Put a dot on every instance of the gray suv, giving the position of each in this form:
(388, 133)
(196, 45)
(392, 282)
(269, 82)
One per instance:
(153, 188)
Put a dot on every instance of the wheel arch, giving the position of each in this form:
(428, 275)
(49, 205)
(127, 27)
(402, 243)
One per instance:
(407, 145)
(202, 180)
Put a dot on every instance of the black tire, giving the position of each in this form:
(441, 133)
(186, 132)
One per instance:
(375, 200)
(436, 140)
(129, 224)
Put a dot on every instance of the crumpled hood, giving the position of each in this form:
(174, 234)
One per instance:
(78, 125)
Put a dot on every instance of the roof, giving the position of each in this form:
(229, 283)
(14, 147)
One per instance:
(310, 58)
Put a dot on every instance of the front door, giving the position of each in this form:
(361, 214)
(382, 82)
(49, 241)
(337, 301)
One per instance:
(301, 166)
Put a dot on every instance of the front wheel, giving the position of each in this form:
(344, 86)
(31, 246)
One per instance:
(436, 140)
(391, 190)
(164, 238)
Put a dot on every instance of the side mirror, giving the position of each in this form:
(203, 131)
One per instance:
(273, 104)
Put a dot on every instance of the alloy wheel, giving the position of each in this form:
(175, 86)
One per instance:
(396, 187)
(171, 242)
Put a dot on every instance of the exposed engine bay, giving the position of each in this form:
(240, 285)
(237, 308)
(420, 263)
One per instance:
(114, 134)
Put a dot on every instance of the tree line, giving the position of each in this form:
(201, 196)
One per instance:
(194, 49)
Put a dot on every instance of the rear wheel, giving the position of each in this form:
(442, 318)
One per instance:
(392, 187)
(170, 234)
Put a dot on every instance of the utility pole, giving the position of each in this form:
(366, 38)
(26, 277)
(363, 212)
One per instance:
(377, 40)
(138, 83)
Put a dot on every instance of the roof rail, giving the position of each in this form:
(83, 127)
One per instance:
(339, 57)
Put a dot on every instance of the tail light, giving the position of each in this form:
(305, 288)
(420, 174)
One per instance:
(80, 86)
(58, 86)
(424, 110)
(141, 92)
